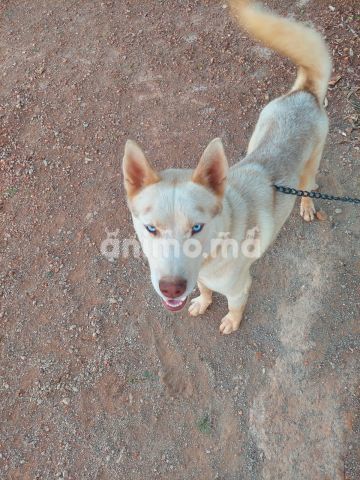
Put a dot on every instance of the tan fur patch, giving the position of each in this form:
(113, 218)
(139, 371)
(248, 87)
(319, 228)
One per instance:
(216, 210)
(147, 209)
(200, 209)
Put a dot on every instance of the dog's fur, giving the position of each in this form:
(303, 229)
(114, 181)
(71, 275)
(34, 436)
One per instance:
(285, 149)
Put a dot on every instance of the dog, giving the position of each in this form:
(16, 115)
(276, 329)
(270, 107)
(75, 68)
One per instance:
(202, 209)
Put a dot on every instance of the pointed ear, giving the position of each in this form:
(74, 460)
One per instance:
(212, 169)
(137, 170)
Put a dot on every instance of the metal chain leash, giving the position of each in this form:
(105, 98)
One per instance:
(312, 194)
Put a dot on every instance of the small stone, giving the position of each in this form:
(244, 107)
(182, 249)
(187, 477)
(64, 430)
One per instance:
(88, 160)
(321, 215)
(66, 401)
(338, 210)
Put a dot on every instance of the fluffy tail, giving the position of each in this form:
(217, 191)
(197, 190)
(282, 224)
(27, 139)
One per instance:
(305, 47)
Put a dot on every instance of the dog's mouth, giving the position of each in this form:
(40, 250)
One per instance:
(174, 305)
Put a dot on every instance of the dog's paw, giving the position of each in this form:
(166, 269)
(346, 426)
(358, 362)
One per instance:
(230, 323)
(198, 306)
(307, 209)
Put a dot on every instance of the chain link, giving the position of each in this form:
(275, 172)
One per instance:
(312, 194)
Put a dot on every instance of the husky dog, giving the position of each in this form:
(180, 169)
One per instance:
(214, 203)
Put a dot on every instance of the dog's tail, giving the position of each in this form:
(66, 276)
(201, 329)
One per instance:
(305, 47)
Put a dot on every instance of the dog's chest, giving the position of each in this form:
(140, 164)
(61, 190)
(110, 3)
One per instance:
(217, 274)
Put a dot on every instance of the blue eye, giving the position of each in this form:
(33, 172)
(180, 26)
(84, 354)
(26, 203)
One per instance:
(151, 229)
(197, 228)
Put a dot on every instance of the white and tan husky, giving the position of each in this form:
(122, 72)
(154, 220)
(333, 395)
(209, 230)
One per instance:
(191, 213)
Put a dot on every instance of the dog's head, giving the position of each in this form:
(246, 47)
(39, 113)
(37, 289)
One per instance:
(175, 214)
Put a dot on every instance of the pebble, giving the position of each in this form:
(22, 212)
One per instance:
(338, 210)
(321, 215)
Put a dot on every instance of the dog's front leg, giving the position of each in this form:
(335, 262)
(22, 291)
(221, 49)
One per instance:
(236, 303)
(200, 304)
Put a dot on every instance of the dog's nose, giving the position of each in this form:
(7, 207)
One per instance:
(172, 287)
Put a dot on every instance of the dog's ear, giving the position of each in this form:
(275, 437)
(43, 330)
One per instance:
(212, 169)
(137, 171)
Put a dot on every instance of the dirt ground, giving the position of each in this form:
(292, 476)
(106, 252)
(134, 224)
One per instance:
(98, 380)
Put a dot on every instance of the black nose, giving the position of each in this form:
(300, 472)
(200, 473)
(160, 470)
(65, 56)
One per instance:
(172, 287)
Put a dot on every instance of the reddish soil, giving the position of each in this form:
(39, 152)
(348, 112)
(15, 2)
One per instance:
(98, 380)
